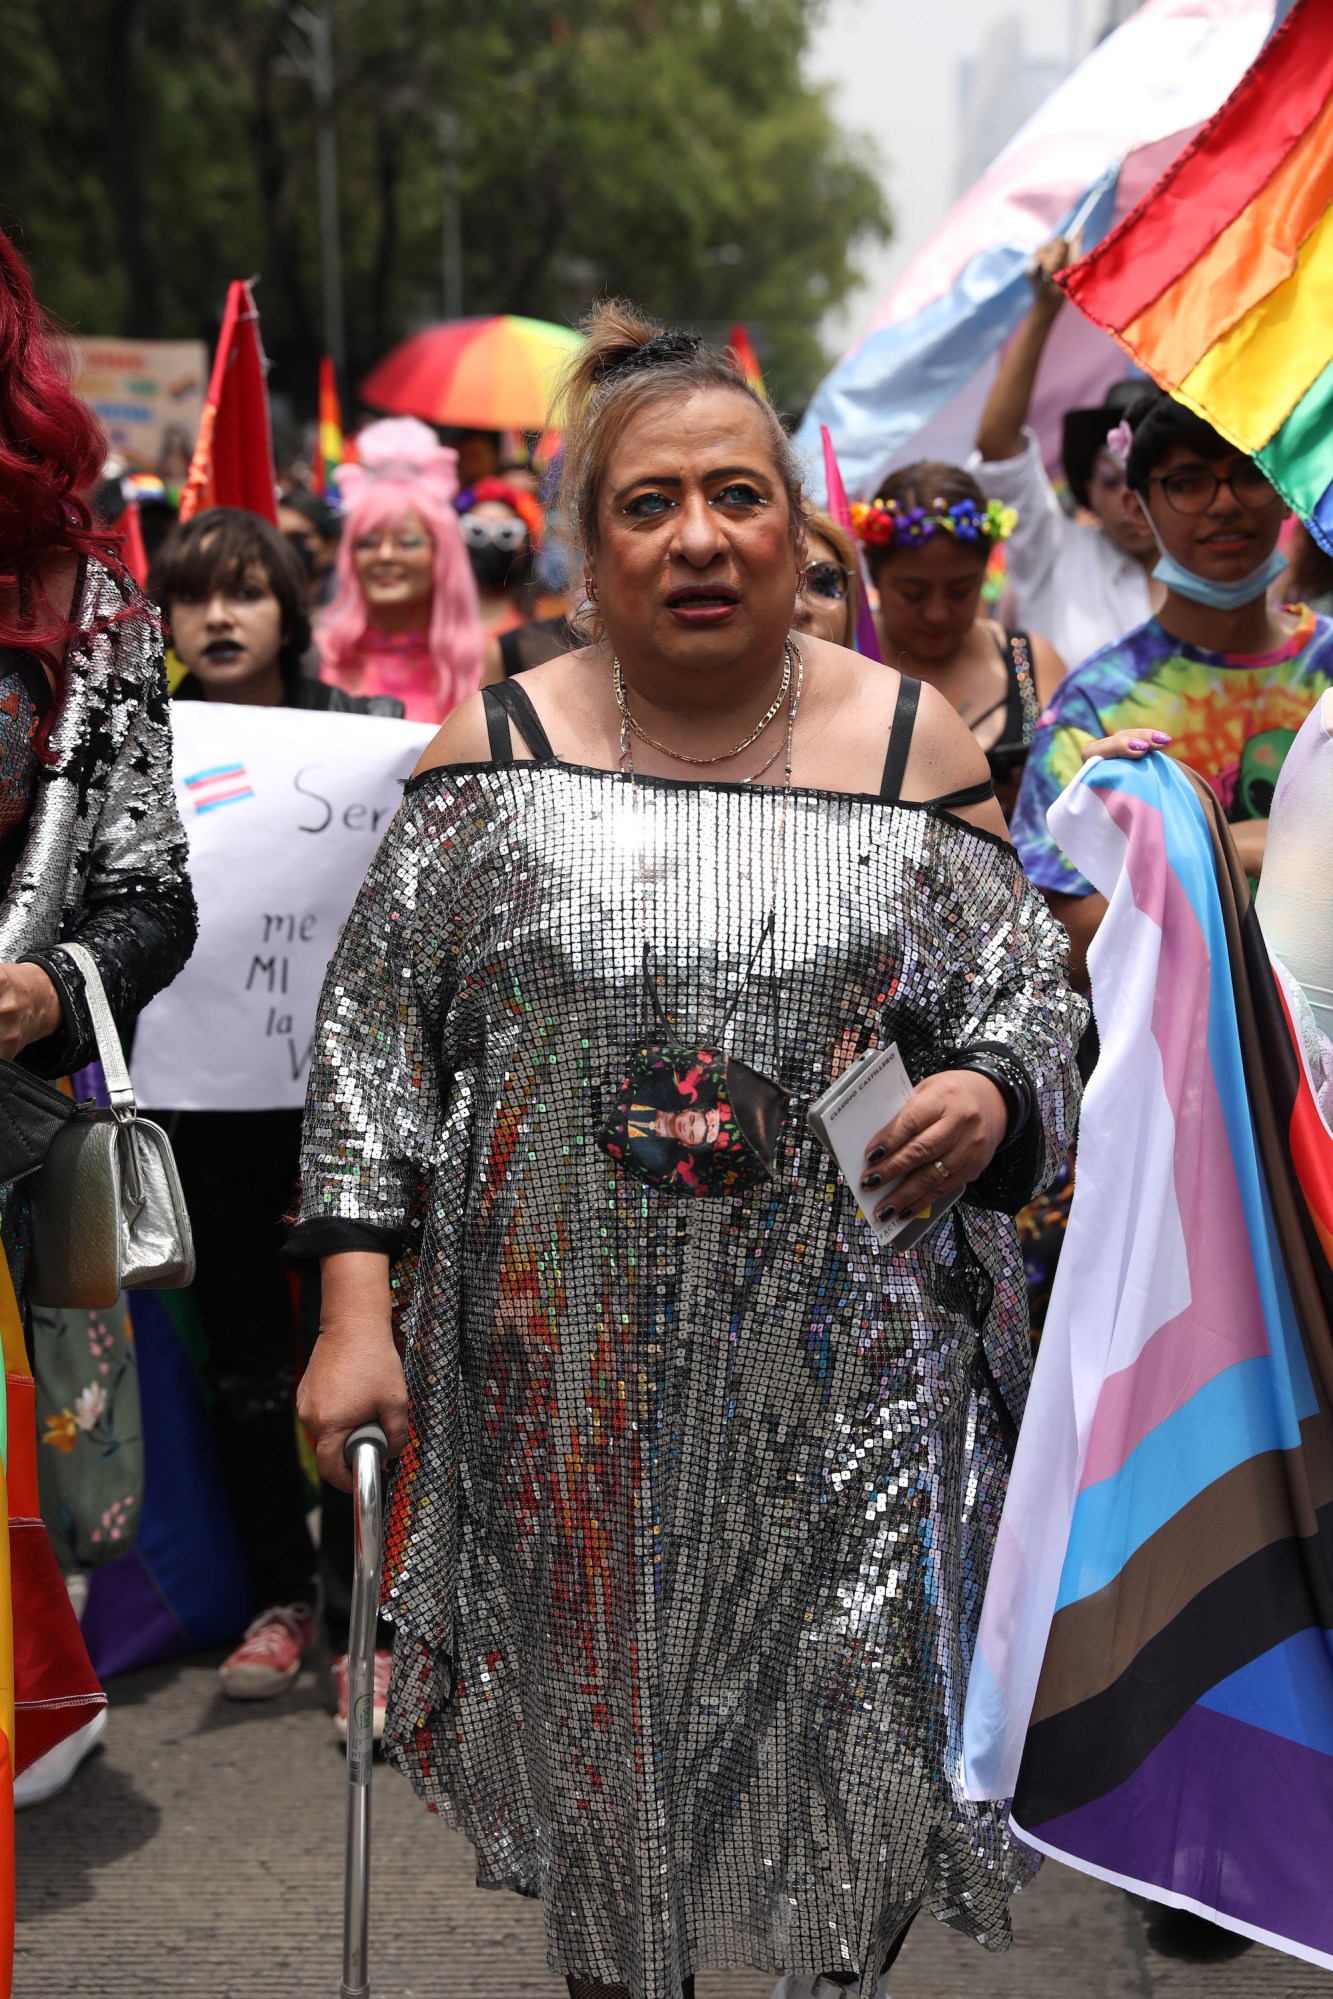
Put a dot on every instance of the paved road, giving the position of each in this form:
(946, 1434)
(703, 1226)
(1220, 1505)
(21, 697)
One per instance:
(199, 1853)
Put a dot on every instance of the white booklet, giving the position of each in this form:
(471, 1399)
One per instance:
(868, 1095)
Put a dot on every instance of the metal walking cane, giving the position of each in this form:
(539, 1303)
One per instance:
(365, 1452)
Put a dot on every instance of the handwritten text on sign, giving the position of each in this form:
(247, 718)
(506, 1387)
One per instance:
(284, 809)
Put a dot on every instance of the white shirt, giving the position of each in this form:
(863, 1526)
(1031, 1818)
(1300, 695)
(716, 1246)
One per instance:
(1070, 583)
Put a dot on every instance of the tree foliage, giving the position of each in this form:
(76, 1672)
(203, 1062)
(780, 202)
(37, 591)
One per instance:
(666, 149)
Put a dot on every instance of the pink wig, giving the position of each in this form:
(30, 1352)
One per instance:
(404, 470)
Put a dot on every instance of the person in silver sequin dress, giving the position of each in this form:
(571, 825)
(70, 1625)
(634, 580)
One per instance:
(91, 844)
(697, 1487)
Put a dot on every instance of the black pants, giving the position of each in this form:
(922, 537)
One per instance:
(238, 1170)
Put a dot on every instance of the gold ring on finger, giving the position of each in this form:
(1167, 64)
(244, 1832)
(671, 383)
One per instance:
(941, 1169)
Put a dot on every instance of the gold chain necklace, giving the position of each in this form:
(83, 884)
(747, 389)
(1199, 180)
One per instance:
(786, 742)
(628, 723)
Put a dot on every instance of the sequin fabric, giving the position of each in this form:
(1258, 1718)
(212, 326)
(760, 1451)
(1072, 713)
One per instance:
(687, 1551)
(103, 854)
(18, 764)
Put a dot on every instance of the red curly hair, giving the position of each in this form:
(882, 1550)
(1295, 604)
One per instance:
(51, 450)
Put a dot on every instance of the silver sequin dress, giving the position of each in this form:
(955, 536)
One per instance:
(688, 1549)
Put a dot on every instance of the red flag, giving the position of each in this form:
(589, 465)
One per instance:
(867, 638)
(129, 529)
(233, 458)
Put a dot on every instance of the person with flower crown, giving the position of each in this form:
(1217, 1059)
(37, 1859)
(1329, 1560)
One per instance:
(927, 538)
(405, 620)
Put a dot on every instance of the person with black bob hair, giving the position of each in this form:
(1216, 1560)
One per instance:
(1218, 678)
(234, 592)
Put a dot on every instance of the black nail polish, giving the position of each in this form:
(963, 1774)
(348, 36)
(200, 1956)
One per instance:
(873, 1158)
(887, 1213)
(873, 1180)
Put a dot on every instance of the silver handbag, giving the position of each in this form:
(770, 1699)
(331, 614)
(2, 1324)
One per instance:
(107, 1210)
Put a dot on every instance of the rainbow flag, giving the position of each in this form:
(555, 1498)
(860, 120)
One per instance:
(1220, 282)
(741, 349)
(330, 446)
(1153, 1681)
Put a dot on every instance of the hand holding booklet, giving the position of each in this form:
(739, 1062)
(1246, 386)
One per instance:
(867, 1096)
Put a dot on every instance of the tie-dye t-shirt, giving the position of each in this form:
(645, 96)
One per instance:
(1231, 718)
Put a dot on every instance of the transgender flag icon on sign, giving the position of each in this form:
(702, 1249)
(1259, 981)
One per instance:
(224, 784)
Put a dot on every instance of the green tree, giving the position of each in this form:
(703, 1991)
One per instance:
(666, 149)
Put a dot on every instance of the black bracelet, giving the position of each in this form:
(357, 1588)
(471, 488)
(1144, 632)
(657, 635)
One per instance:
(1001, 1067)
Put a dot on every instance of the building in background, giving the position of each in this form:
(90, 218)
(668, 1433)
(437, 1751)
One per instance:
(999, 88)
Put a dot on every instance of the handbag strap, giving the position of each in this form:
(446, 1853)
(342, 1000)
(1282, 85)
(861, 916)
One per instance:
(109, 1051)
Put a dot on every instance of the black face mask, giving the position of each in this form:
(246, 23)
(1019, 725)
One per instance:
(498, 569)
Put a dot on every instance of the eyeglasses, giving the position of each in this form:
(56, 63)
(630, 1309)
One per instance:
(479, 534)
(397, 544)
(1193, 489)
(826, 579)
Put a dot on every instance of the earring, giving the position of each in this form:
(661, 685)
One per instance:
(590, 589)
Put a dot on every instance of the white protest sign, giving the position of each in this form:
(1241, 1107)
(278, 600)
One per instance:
(284, 808)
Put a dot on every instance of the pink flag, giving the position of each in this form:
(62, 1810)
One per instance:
(867, 638)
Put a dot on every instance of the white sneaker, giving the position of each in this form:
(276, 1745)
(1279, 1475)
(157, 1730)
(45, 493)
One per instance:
(50, 1773)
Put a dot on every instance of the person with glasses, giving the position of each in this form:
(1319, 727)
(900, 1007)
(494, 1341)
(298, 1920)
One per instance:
(405, 620)
(502, 529)
(1218, 678)
(928, 537)
(826, 601)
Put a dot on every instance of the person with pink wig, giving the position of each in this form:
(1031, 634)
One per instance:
(404, 621)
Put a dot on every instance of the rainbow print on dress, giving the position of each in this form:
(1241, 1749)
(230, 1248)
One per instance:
(1220, 283)
(1153, 1682)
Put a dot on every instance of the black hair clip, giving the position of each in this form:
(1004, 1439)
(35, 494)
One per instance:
(671, 346)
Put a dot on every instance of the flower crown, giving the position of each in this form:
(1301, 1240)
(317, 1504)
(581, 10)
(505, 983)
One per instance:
(884, 524)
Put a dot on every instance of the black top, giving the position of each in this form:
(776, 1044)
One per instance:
(300, 692)
(1007, 756)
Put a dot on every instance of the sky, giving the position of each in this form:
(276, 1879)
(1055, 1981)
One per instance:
(893, 68)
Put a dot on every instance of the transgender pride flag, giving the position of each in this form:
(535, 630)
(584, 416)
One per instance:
(914, 385)
(219, 785)
(1153, 1683)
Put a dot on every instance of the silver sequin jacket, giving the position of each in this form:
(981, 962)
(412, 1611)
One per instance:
(104, 857)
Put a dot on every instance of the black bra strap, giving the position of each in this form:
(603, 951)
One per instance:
(971, 794)
(505, 703)
(900, 738)
(497, 726)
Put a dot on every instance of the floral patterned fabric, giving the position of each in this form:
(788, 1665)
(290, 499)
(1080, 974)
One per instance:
(91, 1465)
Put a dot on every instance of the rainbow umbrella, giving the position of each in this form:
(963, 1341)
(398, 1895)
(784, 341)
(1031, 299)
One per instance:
(487, 374)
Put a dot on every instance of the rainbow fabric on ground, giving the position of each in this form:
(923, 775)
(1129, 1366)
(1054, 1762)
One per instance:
(1220, 283)
(1153, 1682)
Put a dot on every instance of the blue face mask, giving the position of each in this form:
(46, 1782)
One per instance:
(1203, 590)
(1220, 596)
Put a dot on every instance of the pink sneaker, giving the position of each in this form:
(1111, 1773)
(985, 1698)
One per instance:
(269, 1656)
(383, 1664)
